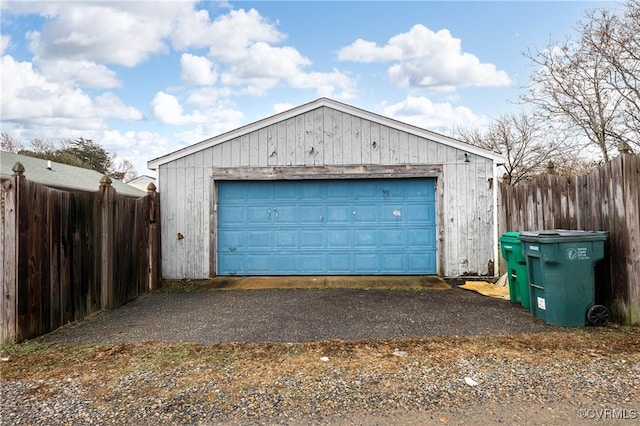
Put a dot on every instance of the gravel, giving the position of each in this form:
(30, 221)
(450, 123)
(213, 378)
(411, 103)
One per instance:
(321, 357)
(519, 380)
(301, 316)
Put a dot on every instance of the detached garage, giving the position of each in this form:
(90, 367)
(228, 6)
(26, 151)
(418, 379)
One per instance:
(327, 189)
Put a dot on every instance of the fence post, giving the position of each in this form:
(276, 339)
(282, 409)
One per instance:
(107, 282)
(153, 243)
(551, 168)
(9, 255)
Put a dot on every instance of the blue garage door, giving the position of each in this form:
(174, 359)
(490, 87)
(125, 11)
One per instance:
(327, 227)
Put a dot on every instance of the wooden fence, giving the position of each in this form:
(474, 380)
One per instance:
(66, 254)
(607, 199)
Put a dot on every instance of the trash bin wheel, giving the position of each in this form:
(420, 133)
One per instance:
(598, 315)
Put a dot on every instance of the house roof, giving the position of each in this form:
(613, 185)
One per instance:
(324, 102)
(142, 179)
(61, 176)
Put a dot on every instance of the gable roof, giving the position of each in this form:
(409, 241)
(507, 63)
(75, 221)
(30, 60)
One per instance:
(61, 176)
(324, 102)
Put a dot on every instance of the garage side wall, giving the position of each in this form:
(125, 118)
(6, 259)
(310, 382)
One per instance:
(327, 137)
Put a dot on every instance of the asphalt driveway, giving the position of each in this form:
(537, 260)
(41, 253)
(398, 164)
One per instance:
(300, 315)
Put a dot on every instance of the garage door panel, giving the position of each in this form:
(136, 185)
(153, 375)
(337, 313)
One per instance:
(365, 213)
(284, 215)
(312, 239)
(364, 262)
(337, 191)
(258, 238)
(255, 215)
(313, 263)
(392, 238)
(339, 238)
(232, 240)
(365, 239)
(418, 214)
(339, 214)
(234, 215)
(393, 262)
(286, 239)
(284, 263)
(422, 238)
(259, 262)
(314, 192)
(420, 261)
(364, 226)
(260, 191)
(312, 214)
(339, 262)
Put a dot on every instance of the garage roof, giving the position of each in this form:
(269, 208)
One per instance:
(324, 102)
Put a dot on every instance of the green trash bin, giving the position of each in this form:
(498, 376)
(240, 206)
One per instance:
(560, 270)
(511, 248)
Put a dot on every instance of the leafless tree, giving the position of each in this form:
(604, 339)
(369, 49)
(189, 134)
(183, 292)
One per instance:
(9, 143)
(590, 85)
(526, 143)
(123, 170)
(617, 39)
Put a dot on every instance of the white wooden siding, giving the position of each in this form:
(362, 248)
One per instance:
(327, 137)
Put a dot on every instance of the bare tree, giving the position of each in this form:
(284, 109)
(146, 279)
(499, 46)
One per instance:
(526, 144)
(123, 170)
(9, 143)
(591, 85)
(617, 39)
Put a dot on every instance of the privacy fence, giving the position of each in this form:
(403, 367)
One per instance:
(66, 254)
(608, 199)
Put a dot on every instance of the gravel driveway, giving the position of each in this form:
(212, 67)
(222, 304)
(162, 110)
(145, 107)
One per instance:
(213, 316)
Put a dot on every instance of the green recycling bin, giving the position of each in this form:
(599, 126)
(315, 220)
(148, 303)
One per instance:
(510, 246)
(560, 270)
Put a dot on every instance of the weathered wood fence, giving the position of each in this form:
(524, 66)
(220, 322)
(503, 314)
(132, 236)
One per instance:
(66, 255)
(607, 199)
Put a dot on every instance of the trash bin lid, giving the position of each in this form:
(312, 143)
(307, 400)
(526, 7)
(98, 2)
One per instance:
(563, 235)
(510, 237)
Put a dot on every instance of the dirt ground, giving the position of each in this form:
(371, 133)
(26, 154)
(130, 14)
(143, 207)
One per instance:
(583, 377)
(198, 354)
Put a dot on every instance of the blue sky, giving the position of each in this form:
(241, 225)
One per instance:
(146, 78)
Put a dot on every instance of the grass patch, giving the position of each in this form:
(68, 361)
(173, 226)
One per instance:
(41, 361)
(182, 286)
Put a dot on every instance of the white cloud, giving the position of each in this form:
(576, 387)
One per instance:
(5, 42)
(110, 105)
(205, 97)
(168, 110)
(427, 59)
(368, 51)
(243, 50)
(124, 33)
(231, 36)
(261, 67)
(78, 73)
(31, 99)
(422, 112)
(325, 84)
(137, 147)
(197, 70)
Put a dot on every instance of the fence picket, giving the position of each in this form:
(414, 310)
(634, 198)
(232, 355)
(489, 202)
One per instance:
(64, 251)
